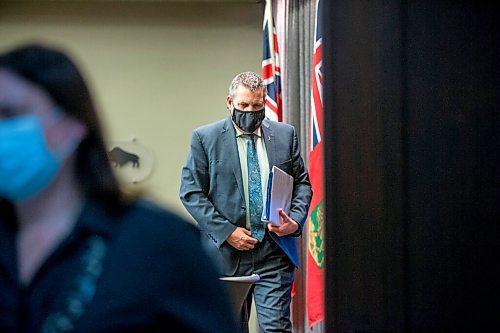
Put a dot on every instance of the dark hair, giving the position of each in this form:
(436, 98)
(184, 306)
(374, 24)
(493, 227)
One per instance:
(56, 73)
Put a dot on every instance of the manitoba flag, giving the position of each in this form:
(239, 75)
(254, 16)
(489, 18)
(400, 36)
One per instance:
(271, 66)
(316, 249)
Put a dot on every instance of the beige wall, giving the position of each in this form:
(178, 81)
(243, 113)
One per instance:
(157, 69)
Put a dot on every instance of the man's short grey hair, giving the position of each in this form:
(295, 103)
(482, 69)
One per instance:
(250, 80)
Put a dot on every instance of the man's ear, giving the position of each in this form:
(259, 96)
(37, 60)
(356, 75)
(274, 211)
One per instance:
(229, 102)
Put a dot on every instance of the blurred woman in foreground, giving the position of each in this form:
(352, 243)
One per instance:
(75, 254)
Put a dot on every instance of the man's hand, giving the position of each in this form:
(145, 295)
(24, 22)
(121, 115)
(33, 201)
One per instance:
(241, 239)
(287, 225)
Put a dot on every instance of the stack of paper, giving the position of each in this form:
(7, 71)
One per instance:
(279, 194)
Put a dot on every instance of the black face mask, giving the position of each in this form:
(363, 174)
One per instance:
(248, 121)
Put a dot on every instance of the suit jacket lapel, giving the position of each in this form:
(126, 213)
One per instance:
(229, 140)
(270, 142)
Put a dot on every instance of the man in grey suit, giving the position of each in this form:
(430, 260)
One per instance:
(224, 186)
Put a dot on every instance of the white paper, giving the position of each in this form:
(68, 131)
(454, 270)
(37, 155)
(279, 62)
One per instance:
(281, 188)
(246, 279)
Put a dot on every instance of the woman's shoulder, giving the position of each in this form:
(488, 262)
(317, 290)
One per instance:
(143, 220)
(144, 213)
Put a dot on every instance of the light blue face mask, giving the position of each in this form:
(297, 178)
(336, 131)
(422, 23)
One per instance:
(27, 166)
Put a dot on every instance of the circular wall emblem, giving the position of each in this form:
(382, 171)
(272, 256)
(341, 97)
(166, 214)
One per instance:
(315, 242)
(131, 160)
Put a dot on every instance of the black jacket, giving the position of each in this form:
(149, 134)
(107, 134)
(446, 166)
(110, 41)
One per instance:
(155, 277)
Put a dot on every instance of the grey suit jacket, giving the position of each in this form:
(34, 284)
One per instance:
(212, 186)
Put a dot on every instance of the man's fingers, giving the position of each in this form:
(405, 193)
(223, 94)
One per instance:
(283, 215)
(247, 246)
(247, 232)
(274, 228)
(245, 242)
(242, 239)
(252, 241)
